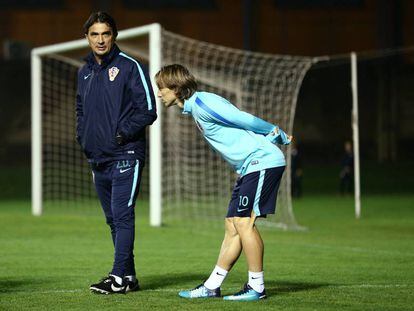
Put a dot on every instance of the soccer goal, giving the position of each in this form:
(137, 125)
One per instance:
(186, 180)
(61, 177)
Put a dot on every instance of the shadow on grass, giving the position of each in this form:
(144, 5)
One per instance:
(151, 282)
(175, 280)
(9, 286)
(179, 280)
(286, 287)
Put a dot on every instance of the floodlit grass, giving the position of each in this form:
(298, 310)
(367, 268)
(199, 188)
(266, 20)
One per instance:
(339, 263)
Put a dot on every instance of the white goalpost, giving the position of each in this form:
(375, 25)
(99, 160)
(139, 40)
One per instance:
(355, 134)
(153, 31)
(186, 180)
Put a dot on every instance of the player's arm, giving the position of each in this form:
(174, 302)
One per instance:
(143, 105)
(249, 122)
(230, 115)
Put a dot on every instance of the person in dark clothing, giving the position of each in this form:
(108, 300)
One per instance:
(296, 172)
(346, 174)
(114, 105)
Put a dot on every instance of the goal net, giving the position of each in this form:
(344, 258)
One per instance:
(195, 183)
(198, 182)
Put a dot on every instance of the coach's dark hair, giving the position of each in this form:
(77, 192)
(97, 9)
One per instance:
(100, 17)
(178, 78)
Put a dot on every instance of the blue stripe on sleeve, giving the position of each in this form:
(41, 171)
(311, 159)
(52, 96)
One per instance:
(144, 81)
(206, 108)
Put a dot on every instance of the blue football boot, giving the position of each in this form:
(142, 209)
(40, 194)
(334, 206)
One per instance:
(246, 294)
(200, 292)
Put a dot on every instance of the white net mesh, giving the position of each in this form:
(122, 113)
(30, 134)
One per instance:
(66, 179)
(196, 183)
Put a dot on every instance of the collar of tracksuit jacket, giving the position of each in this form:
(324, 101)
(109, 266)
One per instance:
(93, 64)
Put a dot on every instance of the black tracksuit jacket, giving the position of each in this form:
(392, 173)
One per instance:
(113, 99)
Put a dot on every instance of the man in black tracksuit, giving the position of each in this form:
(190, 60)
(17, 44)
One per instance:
(114, 105)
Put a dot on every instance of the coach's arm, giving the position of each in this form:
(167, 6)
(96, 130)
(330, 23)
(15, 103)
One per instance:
(143, 111)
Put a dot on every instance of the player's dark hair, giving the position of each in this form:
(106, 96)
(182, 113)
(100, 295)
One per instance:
(100, 17)
(178, 78)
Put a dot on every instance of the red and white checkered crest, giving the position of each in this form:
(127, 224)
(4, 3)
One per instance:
(113, 73)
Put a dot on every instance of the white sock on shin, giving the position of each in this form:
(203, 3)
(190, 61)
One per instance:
(256, 281)
(216, 278)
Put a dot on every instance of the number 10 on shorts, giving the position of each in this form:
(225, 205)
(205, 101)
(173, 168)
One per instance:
(243, 200)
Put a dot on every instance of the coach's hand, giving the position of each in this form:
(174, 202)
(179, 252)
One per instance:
(120, 140)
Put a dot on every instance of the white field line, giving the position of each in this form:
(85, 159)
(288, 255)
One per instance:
(358, 250)
(176, 290)
(370, 286)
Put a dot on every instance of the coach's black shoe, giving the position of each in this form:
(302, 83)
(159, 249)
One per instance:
(131, 286)
(108, 286)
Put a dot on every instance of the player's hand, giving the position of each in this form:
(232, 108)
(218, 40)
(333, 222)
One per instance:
(277, 136)
(275, 132)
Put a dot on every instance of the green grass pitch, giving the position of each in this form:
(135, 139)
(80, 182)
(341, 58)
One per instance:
(339, 263)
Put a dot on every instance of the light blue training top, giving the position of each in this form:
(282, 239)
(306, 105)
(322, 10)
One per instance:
(243, 140)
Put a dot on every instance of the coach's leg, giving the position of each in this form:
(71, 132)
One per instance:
(103, 187)
(124, 187)
(251, 241)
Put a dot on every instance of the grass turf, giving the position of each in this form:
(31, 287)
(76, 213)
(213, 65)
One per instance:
(339, 263)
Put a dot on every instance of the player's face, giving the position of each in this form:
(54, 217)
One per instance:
(100, 39)
(168, 97)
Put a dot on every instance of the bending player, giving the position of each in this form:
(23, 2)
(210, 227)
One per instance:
(246, 142)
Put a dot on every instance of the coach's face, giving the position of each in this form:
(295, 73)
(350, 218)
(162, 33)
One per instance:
(101, 39)
(168, 97)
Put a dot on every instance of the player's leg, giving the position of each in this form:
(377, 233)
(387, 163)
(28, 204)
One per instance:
(231, 246)
(350, 183)
(253, 248)
(257, 198)
(251, 241)
(342, 185)
(229, 253)
(125, 187)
